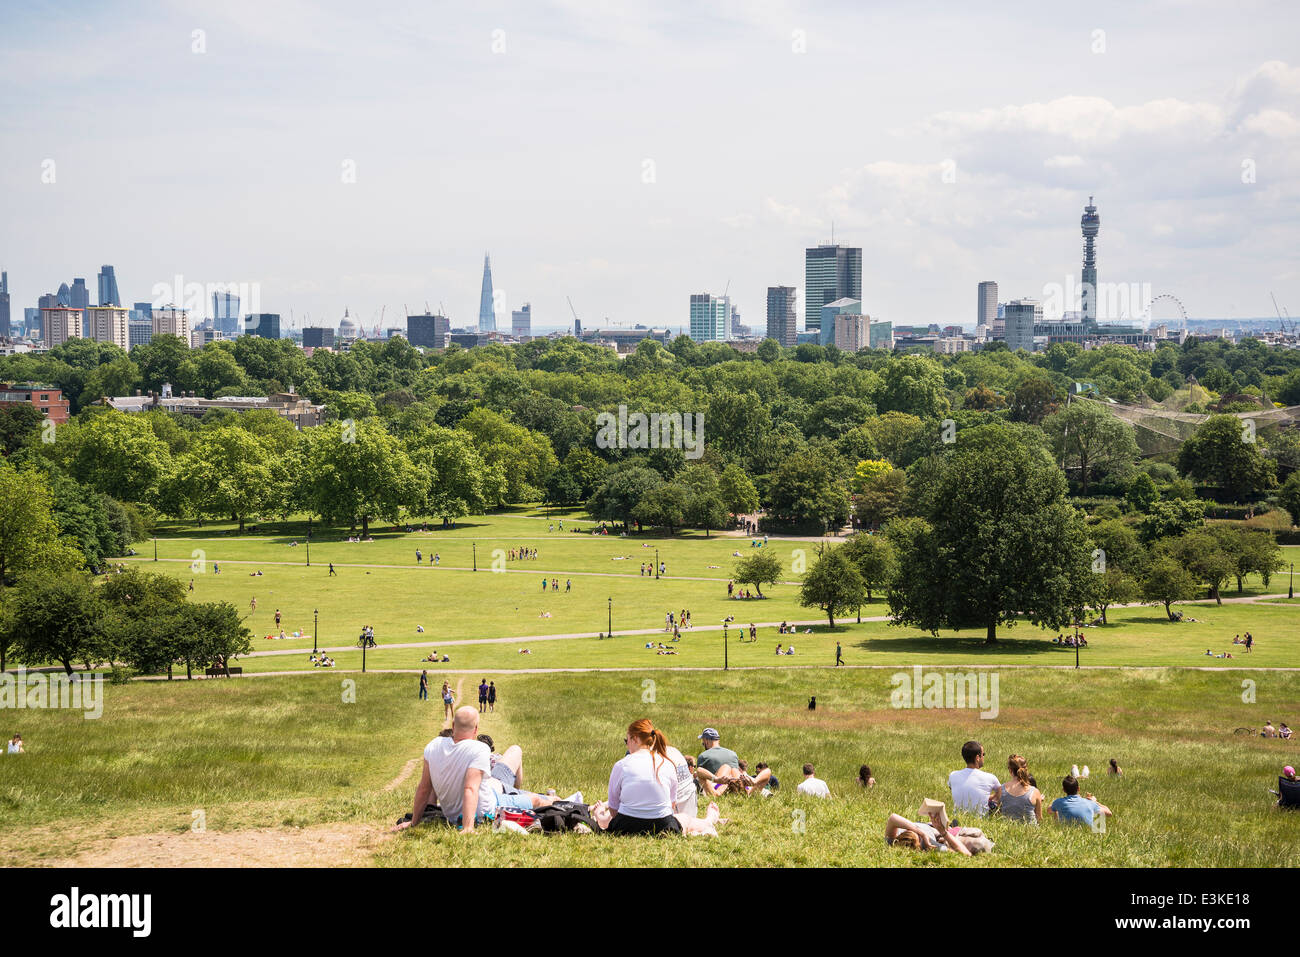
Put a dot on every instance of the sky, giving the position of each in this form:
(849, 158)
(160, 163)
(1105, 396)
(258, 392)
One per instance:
(625, 155)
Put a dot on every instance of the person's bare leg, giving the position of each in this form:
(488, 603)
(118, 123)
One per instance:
(762, 777)
(514, 759)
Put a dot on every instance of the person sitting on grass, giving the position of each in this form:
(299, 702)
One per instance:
(453, 776)
(1284, 732)
(643, 784)
(720, 769)
(1021, 801)
(935, 833)
(1073, 809)
(813, 785)
(691, 825)
(865, 780)
(1115, 769)
(16, 747)
(973, 790)
(1269, 731)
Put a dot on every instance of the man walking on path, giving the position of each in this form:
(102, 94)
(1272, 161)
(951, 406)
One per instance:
(839, 655)
(482, 696)
(424, 685)
(492, 695)
(332, 571)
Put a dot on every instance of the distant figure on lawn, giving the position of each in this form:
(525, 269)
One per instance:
(448, 699)
(865, 779)
(424, 685)
(839, 655)
(492, 695)
(482, 696)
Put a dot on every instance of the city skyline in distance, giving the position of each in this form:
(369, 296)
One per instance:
(941, 184)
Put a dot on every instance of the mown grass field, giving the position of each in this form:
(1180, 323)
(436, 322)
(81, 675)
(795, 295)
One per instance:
(290, 754)
(379, 583)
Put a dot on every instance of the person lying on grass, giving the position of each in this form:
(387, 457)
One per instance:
(453, 774)
(936, 834)
(720, 769)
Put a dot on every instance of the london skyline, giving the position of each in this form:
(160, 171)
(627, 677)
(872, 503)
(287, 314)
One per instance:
(631, 157)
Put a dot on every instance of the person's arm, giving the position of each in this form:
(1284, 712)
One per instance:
(1101, 807)
(898, 823)
(1038, 805)
(955, 843)
(423, 793)
(615, 786)
(469, 807)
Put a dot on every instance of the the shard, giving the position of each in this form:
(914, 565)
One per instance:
(487, 319)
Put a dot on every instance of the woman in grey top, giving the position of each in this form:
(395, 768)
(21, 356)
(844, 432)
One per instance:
(1021, 801)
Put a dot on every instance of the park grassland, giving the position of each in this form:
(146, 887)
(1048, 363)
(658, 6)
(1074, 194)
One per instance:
(290, 753)
(379, 583)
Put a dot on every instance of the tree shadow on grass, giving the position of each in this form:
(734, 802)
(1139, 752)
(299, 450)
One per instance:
(929, 645)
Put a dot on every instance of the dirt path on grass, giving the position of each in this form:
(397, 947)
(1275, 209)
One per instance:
(323, 845)
(407, 770)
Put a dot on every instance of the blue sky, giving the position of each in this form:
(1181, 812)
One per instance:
(953, 142)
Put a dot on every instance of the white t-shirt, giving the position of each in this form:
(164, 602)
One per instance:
(643, 785)
(448, 761)
(814, 786)
(686, 793)
(971, 788)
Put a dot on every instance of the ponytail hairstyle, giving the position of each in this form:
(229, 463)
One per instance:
(650, 737)
(1019, 769)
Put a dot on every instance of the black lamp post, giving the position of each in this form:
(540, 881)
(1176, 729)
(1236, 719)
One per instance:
(1076, 646)
(1290, 588)
(155, 548)
(365, 643)
(475, 547)
(610, 631)
(724, 644)
(315, 629)
(656, 564)
(309, 553)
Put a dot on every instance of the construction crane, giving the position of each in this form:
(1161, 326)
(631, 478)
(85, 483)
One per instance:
(577, 323)
(1280, 321)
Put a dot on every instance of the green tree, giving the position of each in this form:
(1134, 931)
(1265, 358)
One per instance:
(875, 558)
(833, 584)
(1171, 518)
(737, 491)
(1114, 586)
(623, 488)
(57, 618)
(358, 472)
(226, 472)
(1203, 554)
(1142, 493)
(807, 487)
(758, 569)
(1165, 581)
(1289, 497)
(211, 635)
(996, 539)
(1223, 453)
(663, 505)
(1088, 438)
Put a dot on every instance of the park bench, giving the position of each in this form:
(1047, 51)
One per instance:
(218, 672)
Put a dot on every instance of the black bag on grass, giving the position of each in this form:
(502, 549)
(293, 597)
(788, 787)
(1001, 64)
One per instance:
(565, 816)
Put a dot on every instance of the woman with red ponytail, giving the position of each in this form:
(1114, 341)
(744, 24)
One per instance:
(643, 784)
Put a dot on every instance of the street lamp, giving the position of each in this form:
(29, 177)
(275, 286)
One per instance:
(365, 643)
(155, 548)
(656, 564)
(309, 553)
(1290, 588)
(315, 629)
(610, 631)
(475, 547)
(724, 644)
(1076, 646)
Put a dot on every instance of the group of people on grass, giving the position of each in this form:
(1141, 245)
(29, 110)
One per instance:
(1071, 641)
(434, 559)
(1281, 731)
(321, 660)
(522, 554)
(654, 789)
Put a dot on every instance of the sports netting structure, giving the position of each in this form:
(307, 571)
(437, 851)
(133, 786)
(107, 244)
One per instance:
(1161, 431)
